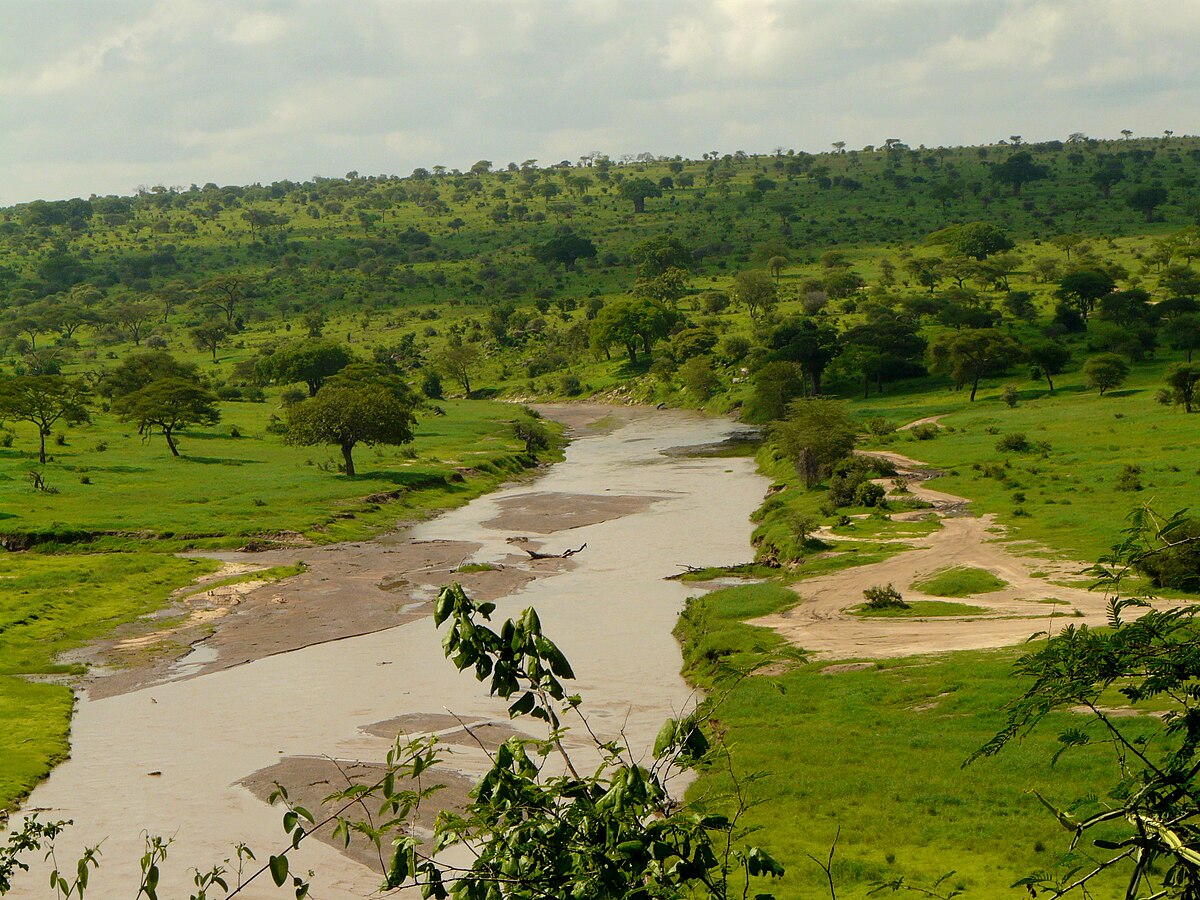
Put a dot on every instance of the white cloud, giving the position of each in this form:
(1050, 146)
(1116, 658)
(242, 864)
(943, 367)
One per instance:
(245, 90)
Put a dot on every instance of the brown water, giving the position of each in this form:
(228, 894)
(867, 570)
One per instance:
(167, 759)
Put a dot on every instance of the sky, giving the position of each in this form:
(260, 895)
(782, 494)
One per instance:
(106, 96)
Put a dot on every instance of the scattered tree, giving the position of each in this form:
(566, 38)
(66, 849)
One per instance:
(1105, 371)
(43, 400)
(168, 404)
(352, 412)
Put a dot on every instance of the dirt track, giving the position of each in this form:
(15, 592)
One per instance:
(821, 624)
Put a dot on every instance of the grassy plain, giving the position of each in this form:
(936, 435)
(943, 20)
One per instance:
(872, 756)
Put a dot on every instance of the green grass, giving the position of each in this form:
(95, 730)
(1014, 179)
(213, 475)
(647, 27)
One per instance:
(877, 754)
(960, 581)
(476, 567)
(137, 489)
(50, 604)
(921, 609)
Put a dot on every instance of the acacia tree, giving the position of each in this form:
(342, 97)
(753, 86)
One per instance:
(168, 404)
(210, 336)
(756, 291)
(1047, 359)
(309, 361)
(1105, 371)
(1083, 288)
(1182, 379)
(970, 355)
(459, 362)
(351, 412)
(43, 400)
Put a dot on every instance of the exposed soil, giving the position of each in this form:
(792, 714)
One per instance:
(821, 624)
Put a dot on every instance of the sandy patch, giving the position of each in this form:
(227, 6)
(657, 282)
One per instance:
(821, 624)
(310, 780)
(545, 512)
(348, 590)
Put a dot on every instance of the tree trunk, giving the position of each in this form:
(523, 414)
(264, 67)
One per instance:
(42, 450)
(639, 204)
(170, 441)
(974, 387)
(1049, 381)
(816, 380)
(346, 451)
(866, 384)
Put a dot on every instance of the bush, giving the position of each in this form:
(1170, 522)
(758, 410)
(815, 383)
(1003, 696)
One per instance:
(1013, 443)
(570, 385)
(886, 597)
(880, 426)
(869, 494)
(1176, 567)
(431, 385)
(927, 431)
(1128, 480)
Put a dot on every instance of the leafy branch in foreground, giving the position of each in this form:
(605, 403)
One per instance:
(1147, 827)
(543, 822)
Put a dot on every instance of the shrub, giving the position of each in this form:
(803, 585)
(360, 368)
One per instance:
(926, 431)
(570, 385)
(292, 396)
(869, 494)
(1013, 443)
(884, 597)
(1128, 480)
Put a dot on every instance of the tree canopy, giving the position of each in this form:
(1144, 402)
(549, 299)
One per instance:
(168, 404)
(308, 361)
(349, 412)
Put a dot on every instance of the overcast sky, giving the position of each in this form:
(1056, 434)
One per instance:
(101, 96)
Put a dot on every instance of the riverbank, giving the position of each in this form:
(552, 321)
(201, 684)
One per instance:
(865, 742)
(200, 736)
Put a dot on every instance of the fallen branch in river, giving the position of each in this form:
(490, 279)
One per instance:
(533, 554)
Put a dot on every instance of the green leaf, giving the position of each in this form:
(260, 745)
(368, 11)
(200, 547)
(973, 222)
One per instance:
(279, 869)
(398, 871)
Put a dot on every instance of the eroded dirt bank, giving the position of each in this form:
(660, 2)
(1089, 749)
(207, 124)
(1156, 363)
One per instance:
(297, 676)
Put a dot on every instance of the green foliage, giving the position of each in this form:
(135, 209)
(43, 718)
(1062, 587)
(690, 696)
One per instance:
(168, 404)
(308, 361)
(1148, 821)
(816, 434)
(351, 413)
(1105, 371)
(880, 597)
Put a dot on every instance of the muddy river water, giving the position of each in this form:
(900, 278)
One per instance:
(178, 758)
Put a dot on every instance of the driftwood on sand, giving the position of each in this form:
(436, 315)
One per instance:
(533, 554)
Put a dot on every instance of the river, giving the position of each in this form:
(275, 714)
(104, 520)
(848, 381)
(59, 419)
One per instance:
(169, 759)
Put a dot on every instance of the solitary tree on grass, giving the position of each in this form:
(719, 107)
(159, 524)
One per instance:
(970, 355)
(43, 400)
(168, 404)
(1182, 379)
(1047, 359)
(351, 412)
(210, 336)
(1105, 371)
